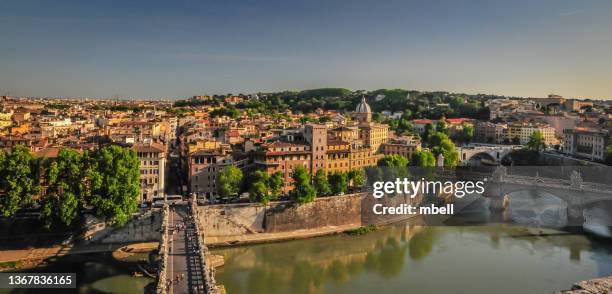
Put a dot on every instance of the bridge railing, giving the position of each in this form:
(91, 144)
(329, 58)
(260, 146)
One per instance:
(163, 253)
(208, 272)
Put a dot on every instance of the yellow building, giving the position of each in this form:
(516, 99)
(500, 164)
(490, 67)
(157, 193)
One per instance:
(21, 129)
(203, 145)
(521, 133)
(338, 156)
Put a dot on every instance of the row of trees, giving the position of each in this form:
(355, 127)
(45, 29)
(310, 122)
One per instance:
(263, 187)
(420, 158)
(106, 181)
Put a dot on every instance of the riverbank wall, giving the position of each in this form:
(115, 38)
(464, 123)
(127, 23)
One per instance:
(230, 224)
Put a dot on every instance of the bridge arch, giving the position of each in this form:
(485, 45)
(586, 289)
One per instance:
(494, 154)
(537, 207)
(485, 155)
(598, 218)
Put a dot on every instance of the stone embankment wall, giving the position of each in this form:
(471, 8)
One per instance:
(324, 212)
(243, 219)
(232, 219)
(370, 218)
(143, 228)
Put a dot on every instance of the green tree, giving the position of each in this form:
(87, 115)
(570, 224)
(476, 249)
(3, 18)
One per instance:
(536, 141)
(442, 144)
(115, 197)
(423, 158)
(456, 102)
(18, 179)
(228, 181)
(259, 192)
(302, 192)
(64, 176)
(259, 187)
(275, 184)
(377, 117)
(321, 184)
(429, 130)
(441, 126)
(393, 160)
(338, 182)
(357, 177)
(467, 134)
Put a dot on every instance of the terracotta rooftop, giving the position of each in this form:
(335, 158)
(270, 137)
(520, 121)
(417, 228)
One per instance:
(150, 147)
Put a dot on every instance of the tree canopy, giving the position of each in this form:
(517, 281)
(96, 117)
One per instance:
(423, 158)
(536, 141)
(393, 160)
(115, 195)
(442, 144)
(18, 179)
(228, 181)
(321, 184)
(106, 181)
(338, 182)
(302, 192)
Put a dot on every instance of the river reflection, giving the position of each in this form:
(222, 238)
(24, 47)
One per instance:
(401, 258)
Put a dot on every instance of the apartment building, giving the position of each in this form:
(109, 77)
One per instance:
(284, 157)
(487, 132)
(521, 133)
(152, 158)
(204, 166)
(404, 146)
(585, 142)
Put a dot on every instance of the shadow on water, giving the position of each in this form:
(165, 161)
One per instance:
(96, 273)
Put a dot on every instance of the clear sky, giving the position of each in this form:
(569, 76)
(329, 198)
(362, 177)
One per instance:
(183, 48)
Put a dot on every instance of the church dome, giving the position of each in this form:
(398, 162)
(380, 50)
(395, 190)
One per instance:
(363, 106)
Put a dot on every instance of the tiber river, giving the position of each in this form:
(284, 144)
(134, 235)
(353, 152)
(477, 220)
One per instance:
(402, 258)
(408, 258)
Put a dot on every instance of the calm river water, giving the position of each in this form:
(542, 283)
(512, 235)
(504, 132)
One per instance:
(413, 259)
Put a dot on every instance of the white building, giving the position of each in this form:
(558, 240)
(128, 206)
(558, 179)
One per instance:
(585, 142)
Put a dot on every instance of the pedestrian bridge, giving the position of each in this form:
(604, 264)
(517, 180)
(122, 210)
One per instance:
(183, 254)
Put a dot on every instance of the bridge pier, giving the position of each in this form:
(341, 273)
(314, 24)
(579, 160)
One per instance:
(498, 203)
(575, 215)
(497, 207)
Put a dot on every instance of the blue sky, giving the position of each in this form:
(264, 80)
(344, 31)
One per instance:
(183, 48)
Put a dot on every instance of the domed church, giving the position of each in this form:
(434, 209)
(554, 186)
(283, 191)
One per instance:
(372, 134)
(363, 112)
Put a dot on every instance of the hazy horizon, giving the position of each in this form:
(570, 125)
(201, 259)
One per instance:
(160, 49)
(110, 97)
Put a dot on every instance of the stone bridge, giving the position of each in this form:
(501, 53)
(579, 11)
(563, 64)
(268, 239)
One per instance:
(182, 252)
(492, 153)
(576, 193)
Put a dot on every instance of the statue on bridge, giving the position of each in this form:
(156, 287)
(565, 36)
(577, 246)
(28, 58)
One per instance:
(576, 179)
(499, 173)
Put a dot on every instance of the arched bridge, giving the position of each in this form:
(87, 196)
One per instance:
(491, 153)
(575, 192)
